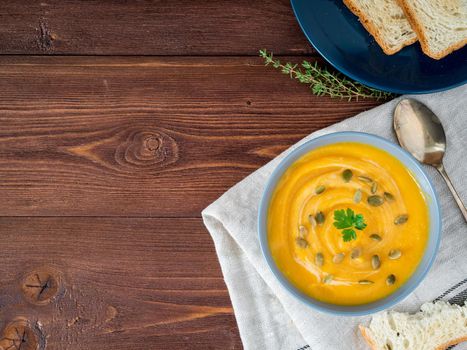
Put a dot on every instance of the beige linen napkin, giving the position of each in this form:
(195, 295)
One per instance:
(270, 318)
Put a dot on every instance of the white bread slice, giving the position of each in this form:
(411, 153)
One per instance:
(441, 25)
(385, 20)
(436, 327)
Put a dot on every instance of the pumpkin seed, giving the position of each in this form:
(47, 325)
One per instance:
(366, 179)
(347, 175)
(356, 252)
(357, 197)
(301, 242)
(375, 237)
(319, 259)
(375, 200)
(328, 278)
(394, 254)
(365, 282)
(338, 258)
(374, 187)
(320, 218)
(389, 197)
(312, 220)
(390, 280)
(375, 262)
(302, 231)
(401, 219)
(320, 189)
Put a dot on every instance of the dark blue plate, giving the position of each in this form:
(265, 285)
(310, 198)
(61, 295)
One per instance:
(339, 37)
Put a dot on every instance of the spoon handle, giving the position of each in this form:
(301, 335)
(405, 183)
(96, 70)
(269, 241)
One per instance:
(453, 190)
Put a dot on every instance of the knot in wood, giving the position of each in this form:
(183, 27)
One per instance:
(20, 335)
(151, 144)
(45, 38)
(41, 286)
(147, 148)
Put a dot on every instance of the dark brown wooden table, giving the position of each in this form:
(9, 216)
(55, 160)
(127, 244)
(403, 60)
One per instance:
(119, 122)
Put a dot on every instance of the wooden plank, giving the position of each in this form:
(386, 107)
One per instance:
(113, 283)
(144, 136)
(148, 27)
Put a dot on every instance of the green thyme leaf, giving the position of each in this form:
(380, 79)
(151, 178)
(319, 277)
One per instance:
(324, 82)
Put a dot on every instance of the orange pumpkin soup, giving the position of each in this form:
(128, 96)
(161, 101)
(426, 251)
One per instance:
(347, 224)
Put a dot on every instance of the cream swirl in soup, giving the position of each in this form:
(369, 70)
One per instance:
(314, 203)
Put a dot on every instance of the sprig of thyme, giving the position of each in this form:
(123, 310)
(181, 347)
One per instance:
(322, 82)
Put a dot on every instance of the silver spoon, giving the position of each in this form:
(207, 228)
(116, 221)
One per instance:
(420, 132)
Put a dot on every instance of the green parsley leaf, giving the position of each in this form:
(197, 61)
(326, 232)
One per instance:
(346, 220)
(348, 234)
(341, 220)
(359, 222)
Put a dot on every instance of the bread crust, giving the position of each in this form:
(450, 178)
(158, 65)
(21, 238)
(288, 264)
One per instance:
(373, 346)
(367, 337)
(418, 29)
(373, 30)
(451, 343)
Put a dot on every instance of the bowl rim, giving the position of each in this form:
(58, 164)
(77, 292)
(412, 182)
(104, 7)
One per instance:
(434, 234)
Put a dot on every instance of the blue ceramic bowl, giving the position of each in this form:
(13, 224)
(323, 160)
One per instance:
(434, 213)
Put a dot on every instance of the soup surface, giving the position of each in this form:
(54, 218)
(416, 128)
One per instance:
(347, 224)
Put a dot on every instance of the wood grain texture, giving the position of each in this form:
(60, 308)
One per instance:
(149, 27)
(106, 162)
(121, 283)
(144, 136)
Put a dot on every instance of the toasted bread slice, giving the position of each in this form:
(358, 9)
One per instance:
(385, 21)
(436, 327)
(441, 25)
